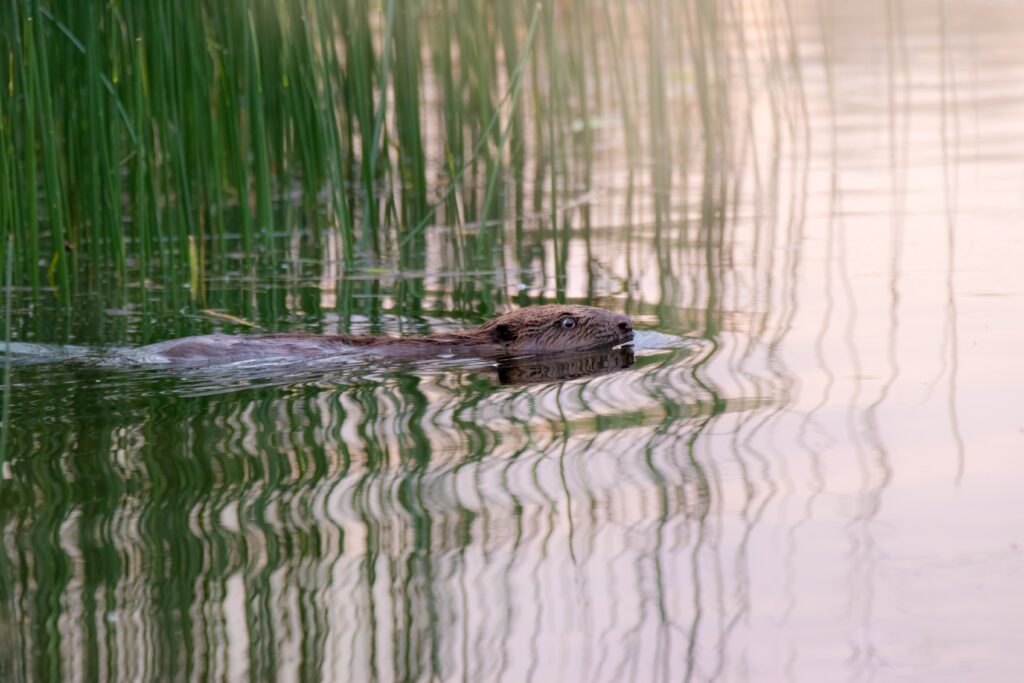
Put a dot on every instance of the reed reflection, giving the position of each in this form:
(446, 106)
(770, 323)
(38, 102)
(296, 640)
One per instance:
(400, 527)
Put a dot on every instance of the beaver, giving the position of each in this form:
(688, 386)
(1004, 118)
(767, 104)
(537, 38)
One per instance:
(552, 328)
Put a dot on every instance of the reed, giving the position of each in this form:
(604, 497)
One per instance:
(130, 130)
(5, 407)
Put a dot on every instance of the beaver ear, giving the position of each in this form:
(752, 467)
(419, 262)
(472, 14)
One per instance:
(503, 333)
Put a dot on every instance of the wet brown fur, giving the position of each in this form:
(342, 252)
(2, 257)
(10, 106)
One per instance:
(532, 330)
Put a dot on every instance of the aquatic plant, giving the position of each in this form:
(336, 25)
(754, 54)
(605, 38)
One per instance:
(131, 130)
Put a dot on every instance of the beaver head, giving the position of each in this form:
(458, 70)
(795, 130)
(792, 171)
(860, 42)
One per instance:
(555, 328)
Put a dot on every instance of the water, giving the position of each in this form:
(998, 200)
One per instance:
(808, 469)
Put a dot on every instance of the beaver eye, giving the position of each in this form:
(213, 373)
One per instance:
(568, 323)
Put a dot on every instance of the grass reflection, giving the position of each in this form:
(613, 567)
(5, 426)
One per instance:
(163, 516)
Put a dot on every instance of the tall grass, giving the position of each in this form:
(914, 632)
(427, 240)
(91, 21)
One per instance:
(5, 401)
(131, 129)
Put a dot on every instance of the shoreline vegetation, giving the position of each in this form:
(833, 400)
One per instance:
(159, 142)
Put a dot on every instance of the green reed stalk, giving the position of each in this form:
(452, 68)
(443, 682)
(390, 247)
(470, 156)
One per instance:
(261, 160)
(236, 148)
(141, 216)
(8, 210)
(205, 165)
(361, 65)
(505, 16)
(475, 46)
(512, 91)
(177, 177)
(95, 165)
(514, 88)
(378, 117)
(553, 97)
(40, 76)
(407, 74)
(5, 417)
(171, 235)
(625, 98)
(440, 35)
(656, 87)
(580, 77)
(113, 147)
(29, 143)
(309, 132)
(335, 158)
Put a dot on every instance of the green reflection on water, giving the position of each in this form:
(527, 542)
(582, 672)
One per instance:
(136, 512)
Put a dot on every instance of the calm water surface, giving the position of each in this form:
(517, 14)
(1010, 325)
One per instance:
(808, 469)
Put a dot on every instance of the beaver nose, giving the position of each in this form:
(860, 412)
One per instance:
(624, 324)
